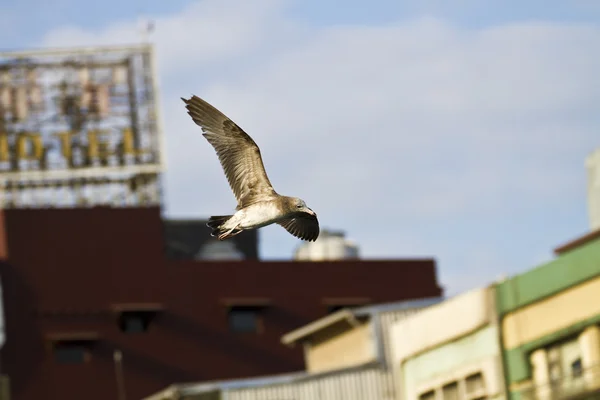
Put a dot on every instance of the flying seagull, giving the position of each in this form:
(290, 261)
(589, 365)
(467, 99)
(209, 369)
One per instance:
(258, 203)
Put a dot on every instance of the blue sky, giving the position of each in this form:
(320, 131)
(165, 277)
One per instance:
(28, 20)
(452, 129)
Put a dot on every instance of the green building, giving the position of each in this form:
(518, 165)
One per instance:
(550, 325)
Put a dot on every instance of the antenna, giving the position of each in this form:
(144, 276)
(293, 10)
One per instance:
(146, 28)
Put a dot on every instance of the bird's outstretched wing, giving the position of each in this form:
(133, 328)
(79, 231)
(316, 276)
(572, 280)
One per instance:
(238, 153)
(305, 227)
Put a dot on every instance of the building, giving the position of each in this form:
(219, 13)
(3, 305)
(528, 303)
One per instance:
(346, 355)
(80, 127)
(450, 350)
(103, 298)
(75, 295)
(550, 325)
(4, 381)
(593, 188)
(533, 336)
(331, 245)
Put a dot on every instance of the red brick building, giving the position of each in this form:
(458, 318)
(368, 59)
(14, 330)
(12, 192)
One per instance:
(82, 284)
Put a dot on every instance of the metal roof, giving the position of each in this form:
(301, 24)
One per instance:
(179, 390)
(186, 389)
(353, 315)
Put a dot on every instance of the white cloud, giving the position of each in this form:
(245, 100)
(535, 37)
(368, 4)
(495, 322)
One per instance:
(388, 132)
(203, 31)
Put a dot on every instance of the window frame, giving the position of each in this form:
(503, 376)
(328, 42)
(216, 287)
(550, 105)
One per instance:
(257, 313)
(83, 346)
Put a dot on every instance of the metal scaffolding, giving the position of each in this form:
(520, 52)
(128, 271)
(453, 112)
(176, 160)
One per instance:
(80, 127)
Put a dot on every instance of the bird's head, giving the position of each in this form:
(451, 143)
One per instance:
(298, 205)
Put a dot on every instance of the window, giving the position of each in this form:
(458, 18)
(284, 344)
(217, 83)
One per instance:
(71, 347)
(554, 364)
(245, 315)
(474, 383)
(564, 361)
(136, 317)
(471, 387)
(244, 320)
(576, 368)
(133, 323)
(427, 395)
(450, 391)
(70, 353)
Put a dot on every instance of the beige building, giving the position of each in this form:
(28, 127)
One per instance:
(593, 187)
(450, 351)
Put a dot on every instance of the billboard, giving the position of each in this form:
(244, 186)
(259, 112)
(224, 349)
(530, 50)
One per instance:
(79, 127)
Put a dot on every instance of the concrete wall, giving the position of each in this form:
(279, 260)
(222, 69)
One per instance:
(593, 188)
(554, 313)
(477, 352)
(468, 312)
(448, 342)
(340, 346)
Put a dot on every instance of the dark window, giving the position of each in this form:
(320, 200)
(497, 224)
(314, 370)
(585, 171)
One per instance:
(134, 322)
(427, 396)
(67, 353)
(576, 368)
(474, 383)
(244, 320)
(450, 391)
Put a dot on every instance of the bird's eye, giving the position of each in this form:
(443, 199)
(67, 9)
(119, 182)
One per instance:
(298, 205)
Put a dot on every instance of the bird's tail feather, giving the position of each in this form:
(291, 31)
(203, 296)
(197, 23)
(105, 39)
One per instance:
(216, 222)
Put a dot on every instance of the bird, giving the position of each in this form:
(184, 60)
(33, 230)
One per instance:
(258, 204)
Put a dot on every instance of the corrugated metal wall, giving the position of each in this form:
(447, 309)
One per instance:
(386, 321)
(366, 384)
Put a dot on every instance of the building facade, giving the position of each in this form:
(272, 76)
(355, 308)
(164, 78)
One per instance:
(535, 336)
(346, 354)
(95, 309)
(450, 350)
(593, 188)
(4, 381)
(550, 325)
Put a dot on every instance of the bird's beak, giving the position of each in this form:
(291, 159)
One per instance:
(311, 212)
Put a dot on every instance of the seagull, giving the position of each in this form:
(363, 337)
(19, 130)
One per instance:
(258, 203)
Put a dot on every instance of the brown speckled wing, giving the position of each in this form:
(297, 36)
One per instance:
(237, 152)
(305, 227)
